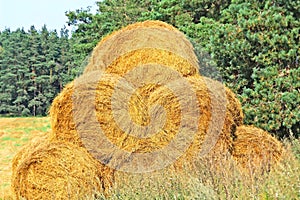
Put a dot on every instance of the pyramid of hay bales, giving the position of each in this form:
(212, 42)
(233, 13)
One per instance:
(147, 46)
(141, 105)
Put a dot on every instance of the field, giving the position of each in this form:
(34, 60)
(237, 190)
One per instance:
(14, 133)
(283, 182)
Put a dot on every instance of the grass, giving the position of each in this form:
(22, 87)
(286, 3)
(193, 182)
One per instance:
(207, 182)
(282, 182)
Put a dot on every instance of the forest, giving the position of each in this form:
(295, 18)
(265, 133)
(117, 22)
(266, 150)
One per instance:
(255, 46)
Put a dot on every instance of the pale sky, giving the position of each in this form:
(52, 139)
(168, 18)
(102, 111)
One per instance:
(24, 13)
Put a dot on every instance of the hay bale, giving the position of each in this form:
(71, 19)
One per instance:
(58, 170)
(151, 40)
(233, 105)
(255, 149)
(64, 128)
(147, 23)
(135, 58)
(127, 140)
(139, 109)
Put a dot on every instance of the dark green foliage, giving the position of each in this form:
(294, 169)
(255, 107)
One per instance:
(273, 102)
(256, 47)
(34, 67)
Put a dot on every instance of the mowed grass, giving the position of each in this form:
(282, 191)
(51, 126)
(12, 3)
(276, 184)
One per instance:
(282, 182)
(15, 133)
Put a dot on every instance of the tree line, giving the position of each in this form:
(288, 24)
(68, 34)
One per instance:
(34, 67)
(255, 46)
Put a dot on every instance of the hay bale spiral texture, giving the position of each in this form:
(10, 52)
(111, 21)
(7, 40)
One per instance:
(58, 170)
(27, 150)
(139, 108)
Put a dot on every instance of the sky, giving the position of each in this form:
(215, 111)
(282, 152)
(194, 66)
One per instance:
(24, 13)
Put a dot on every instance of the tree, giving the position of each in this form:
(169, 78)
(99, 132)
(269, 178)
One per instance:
(14, 96)
(34, 67)
(253, 43)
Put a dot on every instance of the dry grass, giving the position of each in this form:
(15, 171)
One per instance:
(282, 182)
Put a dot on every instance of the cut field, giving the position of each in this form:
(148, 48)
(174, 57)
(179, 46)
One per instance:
(14, 133)
(283, 182)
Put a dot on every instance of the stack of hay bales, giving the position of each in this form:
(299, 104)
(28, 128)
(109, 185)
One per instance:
(116, 59)
(153, 68)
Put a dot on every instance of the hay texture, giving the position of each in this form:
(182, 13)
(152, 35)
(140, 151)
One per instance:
(131, 95)
(151, 41)
(27, 150)
(233, 105)
(61, 114)
(141, 109)
(140, 102)
(57, 170)
(226, 115)
(99, 95)
(255, 149)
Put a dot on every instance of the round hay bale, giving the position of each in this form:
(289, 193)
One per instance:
(116, 101)
(151, 40)
(64, 128)
(255, 149)
(147, 23)
(233, 105)
(58, 170)
(139, 108)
